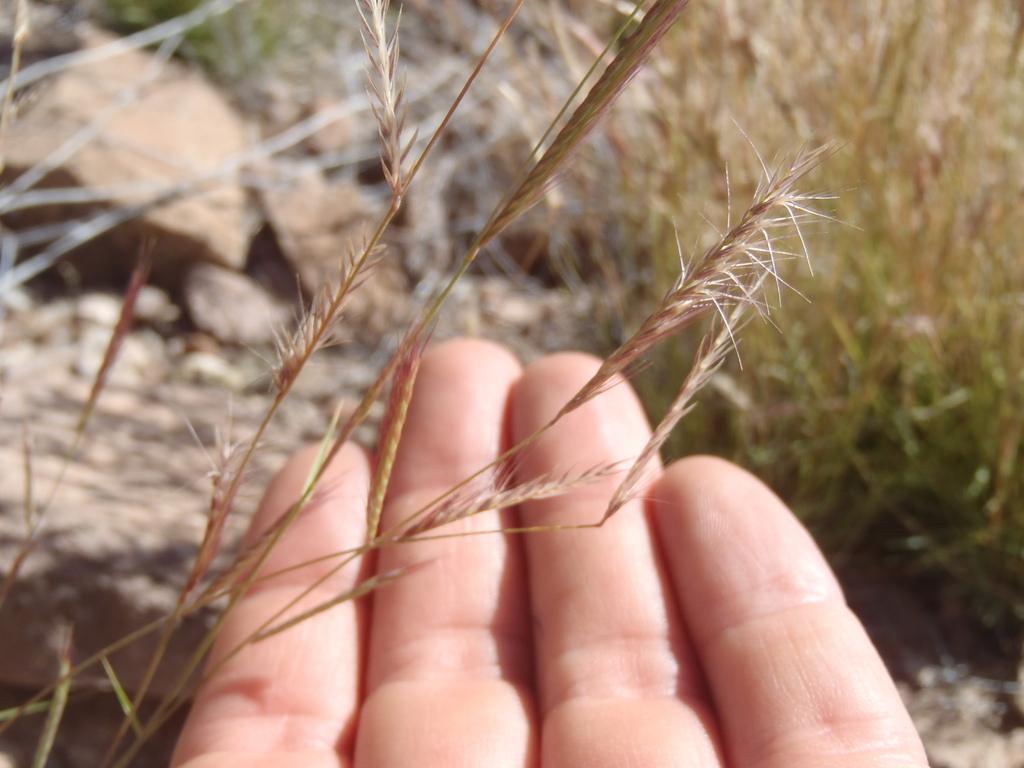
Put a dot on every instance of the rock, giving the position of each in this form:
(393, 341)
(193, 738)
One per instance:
(99, 309)
(140, 359)
(232, 307)
(963, 724)
(210, 370)
(426, 231)
(157, 125)
(317, 225)
(155, 307)
(337, 137)
(523, 316)
(17, 299)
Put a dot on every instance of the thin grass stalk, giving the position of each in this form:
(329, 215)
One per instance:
(709, 358)
(125, 320)
(221, 504)
(360, 590)
(460, 97)
(225, 487)
(173, 701)
(176, 698)
(242, 566)
(359, 415)
(163, 643)
(35, 512)
(585, 118)
(33, 702)
(21, 28)
(31, 517)
(120, 332)
(36, 703)
(251, 562)
(13, 713)
(56, 709)
(312, 334)
(123, 699)
(622, 69)
(607, 54)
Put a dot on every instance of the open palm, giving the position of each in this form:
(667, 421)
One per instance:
(699, 628)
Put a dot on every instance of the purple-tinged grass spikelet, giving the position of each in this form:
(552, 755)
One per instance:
(474, 498)
(387, 92)
(731, 271)
(707, 361)
(409, 356)
(140, 274)
(222, 499)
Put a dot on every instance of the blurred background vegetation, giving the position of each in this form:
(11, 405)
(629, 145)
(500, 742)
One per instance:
(887, 407)
(886, 401)
(254, 40)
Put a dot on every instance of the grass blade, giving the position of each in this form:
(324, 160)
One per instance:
(122, 696)
(56, 708)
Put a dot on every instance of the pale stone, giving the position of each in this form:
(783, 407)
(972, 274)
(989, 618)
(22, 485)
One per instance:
(151, 134)
(320, 226)
(232, 307)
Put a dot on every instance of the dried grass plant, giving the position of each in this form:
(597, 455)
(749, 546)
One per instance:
(723, 283)
(888, 409)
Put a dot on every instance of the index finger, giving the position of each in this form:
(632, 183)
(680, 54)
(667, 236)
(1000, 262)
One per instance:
(292, 698)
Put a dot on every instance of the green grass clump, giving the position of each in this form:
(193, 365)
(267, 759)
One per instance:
(232, 46)
(889, 407)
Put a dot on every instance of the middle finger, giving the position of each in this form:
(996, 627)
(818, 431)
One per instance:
(617, 681)
(448, 659)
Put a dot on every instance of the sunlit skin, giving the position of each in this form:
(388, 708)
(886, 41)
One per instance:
(700, 626)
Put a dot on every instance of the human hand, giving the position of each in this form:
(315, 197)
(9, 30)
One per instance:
(701, 628)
